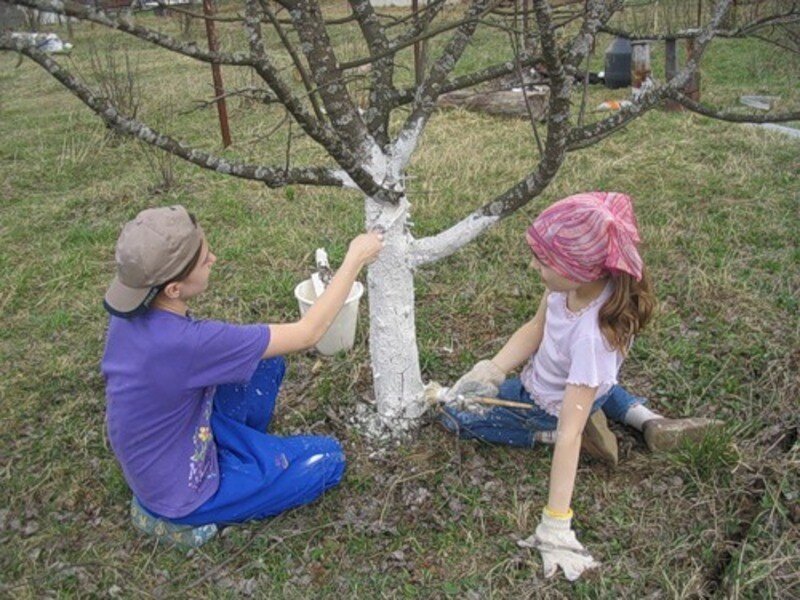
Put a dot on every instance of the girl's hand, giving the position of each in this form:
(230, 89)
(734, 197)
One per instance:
(365, 248)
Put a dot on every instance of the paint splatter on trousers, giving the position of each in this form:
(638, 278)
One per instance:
(262, 474)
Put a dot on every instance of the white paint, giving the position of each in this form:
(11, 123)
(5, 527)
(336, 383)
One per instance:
(397, 380)
(442, 245)
(346, 180)
(314, 459)
(404, 146)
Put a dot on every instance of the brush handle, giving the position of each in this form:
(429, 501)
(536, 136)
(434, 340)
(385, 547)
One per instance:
(498, 402)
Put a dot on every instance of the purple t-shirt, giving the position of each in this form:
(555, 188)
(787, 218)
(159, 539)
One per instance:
(161, 370)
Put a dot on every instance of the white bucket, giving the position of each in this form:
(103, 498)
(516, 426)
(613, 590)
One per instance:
(342, 333)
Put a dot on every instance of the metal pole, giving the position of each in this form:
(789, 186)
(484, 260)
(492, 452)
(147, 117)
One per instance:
(216, 73)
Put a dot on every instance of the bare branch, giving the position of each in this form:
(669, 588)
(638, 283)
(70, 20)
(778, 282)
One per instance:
(526, 59)
(402, 43)
(445, 243)
(428, 92)
(271, 176)
(319, 132)
(528, 108)
(298, 64)
(381, 74)
(126, 24)
(588, 135)
(318, 50)
(597, 14)
(785, 18)
(732, 117)
(259, 94)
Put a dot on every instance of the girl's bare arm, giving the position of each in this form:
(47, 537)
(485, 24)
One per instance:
(578, 401)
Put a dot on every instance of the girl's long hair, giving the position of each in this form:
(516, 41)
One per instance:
(628, 310)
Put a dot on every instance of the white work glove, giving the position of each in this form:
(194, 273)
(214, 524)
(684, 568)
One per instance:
(556, 542)
(483, 379)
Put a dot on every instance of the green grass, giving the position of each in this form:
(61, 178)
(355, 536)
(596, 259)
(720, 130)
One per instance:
(718, 206)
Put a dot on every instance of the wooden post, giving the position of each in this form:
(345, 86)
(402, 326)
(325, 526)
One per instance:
(692, 87)
(670, 70)
(216, 73)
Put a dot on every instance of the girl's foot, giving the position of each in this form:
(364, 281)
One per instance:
(667, 434)
(599, 441)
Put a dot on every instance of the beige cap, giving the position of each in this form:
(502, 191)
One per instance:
(152, 249)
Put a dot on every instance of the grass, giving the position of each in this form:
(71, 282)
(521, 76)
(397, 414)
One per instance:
(718, 208)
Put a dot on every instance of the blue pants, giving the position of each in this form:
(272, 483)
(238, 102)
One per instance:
(517, 426)
(262, 474)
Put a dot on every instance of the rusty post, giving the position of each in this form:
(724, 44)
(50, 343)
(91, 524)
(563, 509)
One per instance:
(640, 64)
(670, 70)
(692, 87)
(216, 73)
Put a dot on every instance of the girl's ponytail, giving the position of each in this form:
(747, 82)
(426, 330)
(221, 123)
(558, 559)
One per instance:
(628, 309)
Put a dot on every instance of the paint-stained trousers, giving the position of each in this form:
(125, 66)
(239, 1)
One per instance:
(262, 474)
(517, 426)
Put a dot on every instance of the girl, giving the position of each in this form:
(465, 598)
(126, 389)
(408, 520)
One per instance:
(189, 401)
(598, 298)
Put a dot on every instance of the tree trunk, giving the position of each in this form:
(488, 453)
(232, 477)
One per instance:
(392, 334)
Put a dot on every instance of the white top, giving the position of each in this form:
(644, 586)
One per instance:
(573, 351)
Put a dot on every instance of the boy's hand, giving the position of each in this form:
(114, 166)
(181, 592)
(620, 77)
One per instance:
(365, 248)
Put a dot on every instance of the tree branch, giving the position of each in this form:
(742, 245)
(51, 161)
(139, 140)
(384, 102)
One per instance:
(318, 50)
(526, 59)
(298, 64)
(126, 24)
(381, 74)
(731, 117)
(581, 137)
(271, 176)
(322, 134)
(445, 243)
(428, 92)
(788, 17)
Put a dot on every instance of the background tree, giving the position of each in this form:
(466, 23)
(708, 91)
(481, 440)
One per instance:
(369, 147)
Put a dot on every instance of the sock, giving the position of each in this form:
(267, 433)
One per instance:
(638, 414)
(545, 437)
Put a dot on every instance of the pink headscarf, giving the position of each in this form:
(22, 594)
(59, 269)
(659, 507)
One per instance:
(587, 236)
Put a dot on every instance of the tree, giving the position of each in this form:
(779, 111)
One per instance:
(371, 158)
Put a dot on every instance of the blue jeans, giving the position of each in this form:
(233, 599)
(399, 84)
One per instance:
(262, 474)
(517, 426)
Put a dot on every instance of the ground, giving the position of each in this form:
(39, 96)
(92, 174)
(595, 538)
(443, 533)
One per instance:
(719, 211)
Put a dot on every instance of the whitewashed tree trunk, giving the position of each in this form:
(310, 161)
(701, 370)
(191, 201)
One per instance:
(392, 334)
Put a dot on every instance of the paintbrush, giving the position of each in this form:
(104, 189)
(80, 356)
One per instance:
(435, 394)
